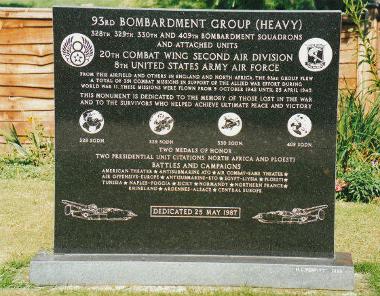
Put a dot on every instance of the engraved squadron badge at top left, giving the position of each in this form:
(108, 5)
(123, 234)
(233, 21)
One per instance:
(77, 50)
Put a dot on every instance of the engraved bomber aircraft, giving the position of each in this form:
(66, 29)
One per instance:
(163, 123)
(229, 123)
(92, 212)
(296, 216)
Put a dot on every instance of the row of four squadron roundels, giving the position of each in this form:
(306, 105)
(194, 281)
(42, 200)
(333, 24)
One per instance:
(78, 50)
(162, 123)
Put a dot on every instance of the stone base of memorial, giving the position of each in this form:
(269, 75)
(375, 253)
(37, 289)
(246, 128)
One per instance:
(192, 270)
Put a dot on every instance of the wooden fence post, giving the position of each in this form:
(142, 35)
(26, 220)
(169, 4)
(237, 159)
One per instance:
(364, 76)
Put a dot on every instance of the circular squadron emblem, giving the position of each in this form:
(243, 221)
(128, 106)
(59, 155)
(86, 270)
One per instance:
(91, 121)
(299, 125)
(315, 54)
(230, 124)
(77, 50)
(161, 123)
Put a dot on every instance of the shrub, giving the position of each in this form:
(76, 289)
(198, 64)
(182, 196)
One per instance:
(358, 134)
(16, 4)
(39, 150)
(361, 182)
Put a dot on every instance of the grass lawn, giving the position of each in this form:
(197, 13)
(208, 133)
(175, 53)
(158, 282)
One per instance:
(26, 226)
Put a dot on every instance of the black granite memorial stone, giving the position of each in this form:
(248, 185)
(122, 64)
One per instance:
(195, 132)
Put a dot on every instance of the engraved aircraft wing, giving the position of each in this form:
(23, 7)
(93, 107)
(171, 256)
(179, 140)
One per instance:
(73, 203)
(66, 48)
(88, 49)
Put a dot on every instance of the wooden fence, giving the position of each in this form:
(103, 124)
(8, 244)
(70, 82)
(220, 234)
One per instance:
(26, 69)
(26, 66)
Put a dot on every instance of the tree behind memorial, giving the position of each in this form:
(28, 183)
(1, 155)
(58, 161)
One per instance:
(202, 4)
(290, 4)
(246, 4)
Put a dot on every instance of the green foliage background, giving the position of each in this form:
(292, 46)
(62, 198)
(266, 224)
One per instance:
(244, 4)
(200, 4)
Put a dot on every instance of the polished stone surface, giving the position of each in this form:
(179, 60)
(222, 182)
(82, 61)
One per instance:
(169, 270)
(293, 174)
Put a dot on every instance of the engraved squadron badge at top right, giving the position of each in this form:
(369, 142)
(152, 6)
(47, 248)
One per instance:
(315, 54)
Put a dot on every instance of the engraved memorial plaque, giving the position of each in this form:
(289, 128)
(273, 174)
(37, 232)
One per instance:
(195, 132)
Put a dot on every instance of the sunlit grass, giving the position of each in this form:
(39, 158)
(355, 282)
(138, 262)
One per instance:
(358, 230)
(19, 171)
(26, 219)
(373, 272)
(361, 289)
